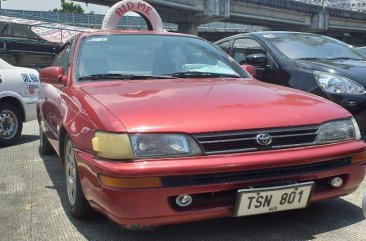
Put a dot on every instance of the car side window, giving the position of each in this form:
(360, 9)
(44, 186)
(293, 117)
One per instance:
(225, 46)
(56, 61)
(244, 47)
(64, 63)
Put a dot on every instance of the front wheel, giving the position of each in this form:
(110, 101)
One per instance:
(10, 124)
(78, 205)
(45, 147)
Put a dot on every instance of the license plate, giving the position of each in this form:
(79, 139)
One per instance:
(272, 199)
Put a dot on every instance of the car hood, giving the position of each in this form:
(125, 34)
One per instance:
(204, 105)
(352, 69)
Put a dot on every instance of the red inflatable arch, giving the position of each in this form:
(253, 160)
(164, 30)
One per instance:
(115, 13)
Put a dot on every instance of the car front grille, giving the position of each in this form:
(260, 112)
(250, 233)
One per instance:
(248, 175)
(245, 141)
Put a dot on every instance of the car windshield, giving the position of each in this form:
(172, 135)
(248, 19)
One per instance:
(362, 50)
(140, 56)
(310, 46)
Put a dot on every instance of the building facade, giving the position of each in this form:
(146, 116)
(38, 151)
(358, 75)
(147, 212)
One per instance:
(317, 2)
(355, 5)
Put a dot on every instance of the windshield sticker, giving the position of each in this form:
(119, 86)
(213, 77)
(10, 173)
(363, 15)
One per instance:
(99, 39)
(269, 36)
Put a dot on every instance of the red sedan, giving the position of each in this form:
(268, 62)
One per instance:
(156, 128)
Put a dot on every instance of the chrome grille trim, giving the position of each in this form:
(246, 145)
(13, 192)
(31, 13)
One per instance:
(217, 141)
(305, 134)
(234, 133)
(245, 141)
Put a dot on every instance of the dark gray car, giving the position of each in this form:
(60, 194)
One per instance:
(313, 63)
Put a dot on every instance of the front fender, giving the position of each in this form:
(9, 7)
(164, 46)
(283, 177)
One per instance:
(13, 95)
(82, 115)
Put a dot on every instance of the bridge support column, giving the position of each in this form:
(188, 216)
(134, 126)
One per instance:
(188, 21)
(188, 28)
(319, 22)
(217, 8)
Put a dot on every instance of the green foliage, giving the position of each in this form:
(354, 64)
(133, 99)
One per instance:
(69, 8)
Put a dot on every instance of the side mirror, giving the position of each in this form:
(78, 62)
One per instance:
(250, 69)
(53, 75)
(256, 59)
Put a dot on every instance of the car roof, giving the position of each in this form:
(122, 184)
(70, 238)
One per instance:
(260, 33)
(137, 32)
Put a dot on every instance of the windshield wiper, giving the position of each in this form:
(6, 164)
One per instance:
(199, 74)
(123, 77)
(309, 58)
(346, 58)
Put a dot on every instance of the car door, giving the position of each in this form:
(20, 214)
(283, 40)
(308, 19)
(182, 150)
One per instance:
(48, 101)
(55, 98)
(15, 80)
(245, 47)
(59, 97)
(225, 45)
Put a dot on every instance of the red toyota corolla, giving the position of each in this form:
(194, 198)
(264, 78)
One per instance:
(156, 128)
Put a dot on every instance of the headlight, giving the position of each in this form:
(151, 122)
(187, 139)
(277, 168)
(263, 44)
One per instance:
(124, 146)
(163, 145)
(337, 84)
(336, 131)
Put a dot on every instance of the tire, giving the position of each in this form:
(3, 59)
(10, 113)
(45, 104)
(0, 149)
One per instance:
(364, 205)
(45, 147)
(79, 207)
(11, 124)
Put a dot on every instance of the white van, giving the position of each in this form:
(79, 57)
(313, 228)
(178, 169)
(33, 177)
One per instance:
(19, 88)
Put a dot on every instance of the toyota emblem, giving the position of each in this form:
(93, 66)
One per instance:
(264, 139)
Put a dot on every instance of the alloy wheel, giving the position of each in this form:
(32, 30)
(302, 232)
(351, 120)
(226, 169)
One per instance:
(70, 171)
(8, 124)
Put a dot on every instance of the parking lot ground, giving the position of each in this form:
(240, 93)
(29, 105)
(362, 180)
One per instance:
(32, 191)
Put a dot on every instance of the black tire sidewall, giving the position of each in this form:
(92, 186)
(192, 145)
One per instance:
(14, 139)
(45, 146)
(81, 208)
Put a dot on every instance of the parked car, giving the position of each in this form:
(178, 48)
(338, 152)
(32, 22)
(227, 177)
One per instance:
(19, 89)
(157, 128)
(362, 49)
(313, 63)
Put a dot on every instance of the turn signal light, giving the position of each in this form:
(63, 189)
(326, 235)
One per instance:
(130, 182)
(361, 157)
(112, 145)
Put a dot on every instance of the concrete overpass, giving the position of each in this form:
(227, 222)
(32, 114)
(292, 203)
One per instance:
(276, 14)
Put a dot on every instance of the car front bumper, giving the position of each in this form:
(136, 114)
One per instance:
(357, 106)
(142, 208)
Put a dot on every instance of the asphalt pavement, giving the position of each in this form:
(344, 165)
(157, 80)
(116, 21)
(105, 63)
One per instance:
(32, 193)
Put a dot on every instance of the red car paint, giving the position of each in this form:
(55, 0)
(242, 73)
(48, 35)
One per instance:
(185, 106)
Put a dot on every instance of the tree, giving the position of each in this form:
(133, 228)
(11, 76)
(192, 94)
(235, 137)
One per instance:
(69, 8)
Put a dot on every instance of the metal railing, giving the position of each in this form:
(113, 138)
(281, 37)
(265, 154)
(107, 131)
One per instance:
(126, 22)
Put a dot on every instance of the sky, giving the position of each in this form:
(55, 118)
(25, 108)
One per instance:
(45, 5)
